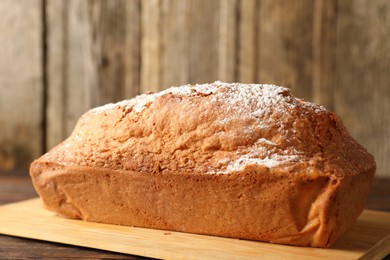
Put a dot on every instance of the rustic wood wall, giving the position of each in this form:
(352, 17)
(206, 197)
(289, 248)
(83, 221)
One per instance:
(21, 88)
(59, 58)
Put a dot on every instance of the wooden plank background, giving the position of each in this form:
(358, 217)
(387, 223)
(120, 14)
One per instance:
(60, 58)
(21, 88)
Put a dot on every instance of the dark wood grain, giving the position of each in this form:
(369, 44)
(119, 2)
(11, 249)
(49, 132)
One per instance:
(21, 84)
(21, 248)
(247, 33)
(175, 42)
(227, 47)
(285, 44)
(93, 58)
(362, 98)
(71, 78)
(115, 41)
(324, 77)
(14, 189)
(204, 41)
(150, 45)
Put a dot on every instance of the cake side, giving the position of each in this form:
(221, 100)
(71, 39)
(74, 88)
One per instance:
(296, 209)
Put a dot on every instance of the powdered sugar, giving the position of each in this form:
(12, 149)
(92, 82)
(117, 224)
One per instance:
(140, 102)
(252, 101)
(266, 141)
(259, 104)
(269, 162)
(240, 99)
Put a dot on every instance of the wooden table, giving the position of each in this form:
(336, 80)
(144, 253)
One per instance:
(16, 186)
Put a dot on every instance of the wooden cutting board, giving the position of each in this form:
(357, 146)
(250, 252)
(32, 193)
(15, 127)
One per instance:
(368, 239)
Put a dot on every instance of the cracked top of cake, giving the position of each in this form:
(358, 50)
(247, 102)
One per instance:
(218, 128)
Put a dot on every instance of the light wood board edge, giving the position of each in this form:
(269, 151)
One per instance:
(28, 219)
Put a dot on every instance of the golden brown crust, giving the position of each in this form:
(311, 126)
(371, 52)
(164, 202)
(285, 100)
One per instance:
(235, 160)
